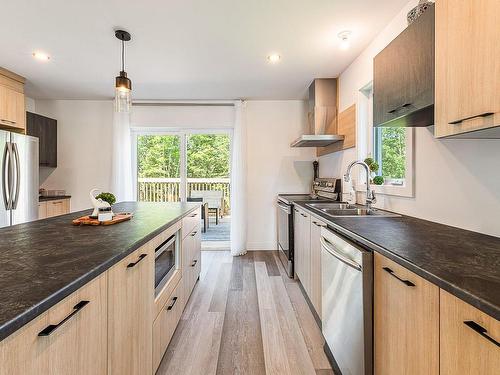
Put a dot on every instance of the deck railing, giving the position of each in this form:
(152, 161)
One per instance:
(168, 189)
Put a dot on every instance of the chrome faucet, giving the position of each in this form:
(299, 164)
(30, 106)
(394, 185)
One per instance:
(370, 194)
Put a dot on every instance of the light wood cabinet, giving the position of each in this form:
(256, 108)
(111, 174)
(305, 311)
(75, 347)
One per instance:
(302, 248)
(70, 338)
(467, 96)
(53, 208)
(12, 106)
(467, 339)
(130, 312)
(406, 321)
(315, 269)
(166, 322)
(191, 260)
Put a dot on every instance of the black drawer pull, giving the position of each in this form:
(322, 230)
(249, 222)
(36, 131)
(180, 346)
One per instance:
(391, 272)
(141, 257)
(174, 300)
(52, 327)
(194, 233)
(318, 224)
(400, 107)
(194, 262)
(481, 330)
(485, 114)
(193, 215)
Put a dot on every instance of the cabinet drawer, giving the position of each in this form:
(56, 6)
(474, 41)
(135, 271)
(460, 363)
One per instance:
(42, 210)
(70, 338)
(468, 336)
(165, 324)
(406, 321)
(57, 207)
(190, 222)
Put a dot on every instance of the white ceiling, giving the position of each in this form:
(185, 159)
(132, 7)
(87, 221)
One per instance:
(185, 49)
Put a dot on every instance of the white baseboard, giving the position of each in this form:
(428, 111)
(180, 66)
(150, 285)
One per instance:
(261, 246)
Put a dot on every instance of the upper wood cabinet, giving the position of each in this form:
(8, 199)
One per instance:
(467, 66)
(469, 339)
(403, 77)
(130, 312)
(12, 107)
(69, 338)
(406, 321)
(45, 129)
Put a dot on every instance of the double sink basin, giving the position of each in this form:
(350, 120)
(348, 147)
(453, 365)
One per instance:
(335, 209)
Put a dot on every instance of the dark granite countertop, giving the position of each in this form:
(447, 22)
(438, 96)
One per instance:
(462, 262)
(45, 199)
(44, 261)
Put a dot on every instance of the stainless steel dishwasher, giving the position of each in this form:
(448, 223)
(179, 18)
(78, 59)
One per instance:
(347, 295)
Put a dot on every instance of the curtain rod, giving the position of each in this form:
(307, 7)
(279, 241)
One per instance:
(183, 104)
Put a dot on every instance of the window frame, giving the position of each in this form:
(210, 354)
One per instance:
(183, 134)
(366, 148)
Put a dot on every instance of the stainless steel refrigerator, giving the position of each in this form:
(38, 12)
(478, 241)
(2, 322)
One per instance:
(19, 178)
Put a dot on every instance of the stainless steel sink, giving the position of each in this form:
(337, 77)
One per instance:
(349, 210)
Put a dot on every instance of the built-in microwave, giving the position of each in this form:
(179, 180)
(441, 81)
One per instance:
(167, 260)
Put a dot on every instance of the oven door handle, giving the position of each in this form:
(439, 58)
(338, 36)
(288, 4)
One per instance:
(162, 249)
(284, 207)
(328, 246)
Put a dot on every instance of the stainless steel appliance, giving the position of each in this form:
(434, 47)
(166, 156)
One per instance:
(19, 178)
(323, 189)
(347, 289)
(167, 260)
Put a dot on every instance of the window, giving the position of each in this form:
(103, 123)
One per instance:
(392, 148)
(393, 151)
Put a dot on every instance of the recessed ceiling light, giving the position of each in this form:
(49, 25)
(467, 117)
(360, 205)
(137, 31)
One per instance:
(41, 56)
(344, 39)
(274, 58)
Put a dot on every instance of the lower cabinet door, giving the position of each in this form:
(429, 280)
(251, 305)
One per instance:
(315, 296)
(469, 339)
(166, 322)
(70, 338)
(406, 321)
(196, 255)
(130, 313)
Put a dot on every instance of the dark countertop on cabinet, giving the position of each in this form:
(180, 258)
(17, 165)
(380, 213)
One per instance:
(462, 262)
(44, 261)
(45, 199)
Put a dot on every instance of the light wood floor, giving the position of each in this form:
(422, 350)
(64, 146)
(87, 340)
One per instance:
(245, 316)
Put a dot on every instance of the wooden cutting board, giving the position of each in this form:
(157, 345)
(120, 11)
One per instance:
(118, 218)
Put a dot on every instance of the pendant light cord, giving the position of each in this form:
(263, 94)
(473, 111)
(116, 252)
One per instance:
(123, 56)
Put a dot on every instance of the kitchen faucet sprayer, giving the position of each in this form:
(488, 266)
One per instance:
(370, 194)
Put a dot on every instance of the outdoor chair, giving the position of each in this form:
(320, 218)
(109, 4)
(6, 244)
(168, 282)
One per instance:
(214, 198)
(204, 211)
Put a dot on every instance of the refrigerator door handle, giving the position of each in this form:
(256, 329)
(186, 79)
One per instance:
(18, 176)
(5, 178)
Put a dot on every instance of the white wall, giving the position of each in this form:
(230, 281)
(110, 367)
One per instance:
(83, 146)
(456, 181)
(273, 166)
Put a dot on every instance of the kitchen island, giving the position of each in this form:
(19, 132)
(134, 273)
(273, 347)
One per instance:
(49, 263)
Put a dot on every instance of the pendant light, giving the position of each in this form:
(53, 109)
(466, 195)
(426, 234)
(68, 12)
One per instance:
(123, 85)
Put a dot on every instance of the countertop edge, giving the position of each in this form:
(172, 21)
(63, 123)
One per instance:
(473, 300)
(35, 311)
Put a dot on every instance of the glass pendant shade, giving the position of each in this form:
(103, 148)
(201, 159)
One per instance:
(123, 90)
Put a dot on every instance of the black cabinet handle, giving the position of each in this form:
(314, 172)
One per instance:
(141, 257)
(194, 262)
(193, 215)
(400, 107)
(47, 331)
(194, 233)
(391, 272)
(318, 224)
(481, 330)
(485, 114)
(170, 307)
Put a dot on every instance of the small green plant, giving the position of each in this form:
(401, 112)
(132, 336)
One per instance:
(369, 161)
(107, 197)
(374, 166)
(378, 180)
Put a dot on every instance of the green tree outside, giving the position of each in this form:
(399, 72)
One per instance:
(393, 154)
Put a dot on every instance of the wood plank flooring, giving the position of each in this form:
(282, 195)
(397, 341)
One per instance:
(245, 316)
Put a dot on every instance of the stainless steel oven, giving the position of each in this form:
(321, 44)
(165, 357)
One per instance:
(167, 260)
(285, 235)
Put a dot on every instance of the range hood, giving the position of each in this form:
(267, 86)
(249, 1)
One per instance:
(322, 115)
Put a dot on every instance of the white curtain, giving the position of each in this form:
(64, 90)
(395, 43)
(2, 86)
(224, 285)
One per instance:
(238, 183)
(121, 174)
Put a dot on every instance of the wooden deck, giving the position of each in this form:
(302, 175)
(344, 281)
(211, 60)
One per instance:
(245, 316)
